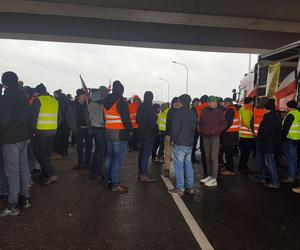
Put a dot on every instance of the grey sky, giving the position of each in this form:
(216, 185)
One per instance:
(58, 65)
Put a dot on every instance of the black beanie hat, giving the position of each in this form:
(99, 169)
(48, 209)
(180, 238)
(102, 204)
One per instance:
(204, 98)
(40, 89)
(175, 99)
(270, 105)
(148, 96)
(292, 104)
(10, 79)
(185, 99)
(118, 88)
(247, 100)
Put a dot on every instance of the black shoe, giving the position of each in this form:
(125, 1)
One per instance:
(25, 202)
(107, 185)
(10, 210)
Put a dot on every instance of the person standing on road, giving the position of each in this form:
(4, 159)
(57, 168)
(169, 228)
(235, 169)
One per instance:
(98, 131)
(212, 123)
(175, 105)
(80, 124)
(147, 131)
(247, 138)
(268, 144)
(15, 131)
(230, 136)
(46, 118)
(291, 137)
(117, 131)
(184, 125)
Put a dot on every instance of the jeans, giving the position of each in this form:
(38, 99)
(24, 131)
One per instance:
(3, 178)
(183, 167)
(268, 168)
(42, 146)
(16, 169)
(290, 157)
(161, 150)
(229, 161)
(146, 146)
(98, 156)
(84, 147)
(246, 147)
(259, 162)
(155, 147)
(134, 140)
(212, 147)
(115, 153)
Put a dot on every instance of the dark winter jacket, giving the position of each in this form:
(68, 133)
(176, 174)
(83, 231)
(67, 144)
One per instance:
(288, 122)
(122, 108)
(269, 133)
(229, 138)
(184, 125)
(73, 115)
(212, 122)
(15, 117)
(146, 119)
(170, 116)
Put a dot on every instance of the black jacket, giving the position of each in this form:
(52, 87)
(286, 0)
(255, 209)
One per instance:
(147, 120)
(184, 125)
(229, 138)
(269, 134)
(170, 116)
(15, 117)
(122, 108)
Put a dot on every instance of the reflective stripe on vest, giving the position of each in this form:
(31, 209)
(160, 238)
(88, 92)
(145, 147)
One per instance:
(48, 113)
(162, 120)
(133, 107)
(245, 130)
(235, 126)
(258, 116)
(294, 132)
(113, 118)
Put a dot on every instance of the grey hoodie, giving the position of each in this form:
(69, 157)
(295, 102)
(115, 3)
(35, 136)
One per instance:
(96, 108)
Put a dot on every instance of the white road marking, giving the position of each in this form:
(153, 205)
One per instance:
(193, 225)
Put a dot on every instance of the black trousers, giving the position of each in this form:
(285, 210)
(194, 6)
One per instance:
(42, 147)
(161, 150)
(246, 147)
(196, 137)
(229, 153)
(98, 155)
(61, 142)
(134, 140)
(203, 157)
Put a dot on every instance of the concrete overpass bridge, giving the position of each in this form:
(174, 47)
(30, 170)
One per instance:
(234, 26)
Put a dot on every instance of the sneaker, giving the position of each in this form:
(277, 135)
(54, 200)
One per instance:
(190, 190)
(270, 185)
(227, 173)
(288, 180)
(10, 210)
(176, 191)
(167, 173)
(147, 179)
(211, 183)
(205, 179)
(120, 188)
(296, 190)
(25, 202)
(50, 180)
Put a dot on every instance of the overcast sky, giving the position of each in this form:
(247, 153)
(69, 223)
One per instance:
(58, 66)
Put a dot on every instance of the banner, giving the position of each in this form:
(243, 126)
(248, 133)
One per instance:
(272, 80)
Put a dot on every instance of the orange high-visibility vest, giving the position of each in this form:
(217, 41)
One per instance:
(200, 108)
(113, 118)
(258, 116)
(133, 107)
(235, 126)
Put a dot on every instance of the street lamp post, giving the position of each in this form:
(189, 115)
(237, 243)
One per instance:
(187, 75)
(160, 78)
(161, 93)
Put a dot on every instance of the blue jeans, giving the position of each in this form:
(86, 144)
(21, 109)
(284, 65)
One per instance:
(268, 168)
(183, 167)
(115, 153)
(3, 178)
(290, 157)
(146, 146)
(259, 161)
(16, 169)
(84, 147)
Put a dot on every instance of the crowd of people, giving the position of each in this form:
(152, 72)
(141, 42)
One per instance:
(36, 127)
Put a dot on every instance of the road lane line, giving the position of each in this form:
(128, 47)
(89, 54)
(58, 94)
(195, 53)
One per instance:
(193, 225)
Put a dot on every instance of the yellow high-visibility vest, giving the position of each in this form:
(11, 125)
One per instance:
(246, 114)
(162, 120)
(48, 115)
(294, 132)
